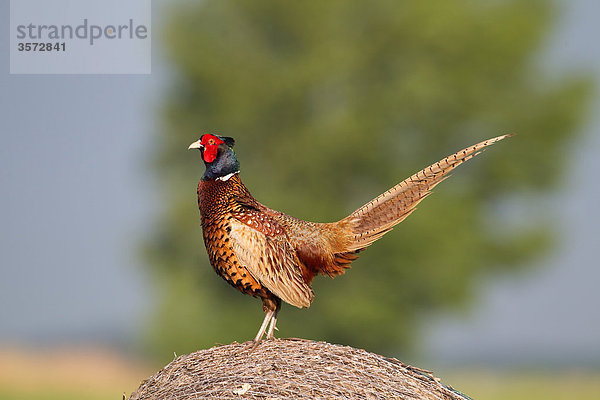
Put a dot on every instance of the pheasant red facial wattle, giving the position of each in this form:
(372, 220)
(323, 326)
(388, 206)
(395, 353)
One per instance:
(211, 145)
(268, 254)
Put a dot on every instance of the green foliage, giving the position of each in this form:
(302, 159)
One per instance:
(333, 102)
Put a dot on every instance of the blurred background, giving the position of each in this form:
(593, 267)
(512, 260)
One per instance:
(492, 283)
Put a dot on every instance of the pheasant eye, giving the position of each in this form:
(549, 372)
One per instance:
(211, 141)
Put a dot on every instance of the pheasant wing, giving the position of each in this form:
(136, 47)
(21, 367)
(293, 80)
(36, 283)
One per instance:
(261, 245)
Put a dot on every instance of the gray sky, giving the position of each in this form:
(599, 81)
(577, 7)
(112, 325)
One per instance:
(76, 197)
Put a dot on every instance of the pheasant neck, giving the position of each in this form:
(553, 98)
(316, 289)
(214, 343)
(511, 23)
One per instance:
(225, 165)
(226, 177)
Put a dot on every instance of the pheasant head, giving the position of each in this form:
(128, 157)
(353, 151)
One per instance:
(218, 156)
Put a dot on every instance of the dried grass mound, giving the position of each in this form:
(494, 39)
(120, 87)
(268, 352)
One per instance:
(290, 369)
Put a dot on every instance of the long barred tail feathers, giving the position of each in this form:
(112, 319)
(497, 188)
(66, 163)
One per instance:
(379, 216)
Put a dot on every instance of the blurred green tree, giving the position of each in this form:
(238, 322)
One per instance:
(333, 102)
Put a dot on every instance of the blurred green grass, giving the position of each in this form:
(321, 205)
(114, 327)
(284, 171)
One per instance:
(478, 383)
(490, 384)
(69, 373)
(94, 374)
(54, 394)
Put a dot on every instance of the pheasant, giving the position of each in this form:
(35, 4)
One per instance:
(268, 254)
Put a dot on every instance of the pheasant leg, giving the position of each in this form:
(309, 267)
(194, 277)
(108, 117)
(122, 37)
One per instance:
(273, 326)
(263, 327)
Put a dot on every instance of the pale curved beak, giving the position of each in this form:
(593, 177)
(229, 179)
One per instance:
(195, 145)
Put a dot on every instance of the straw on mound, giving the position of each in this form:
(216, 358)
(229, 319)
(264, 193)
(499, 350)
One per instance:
(290, 369)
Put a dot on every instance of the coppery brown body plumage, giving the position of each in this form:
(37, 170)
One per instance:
(271, 255)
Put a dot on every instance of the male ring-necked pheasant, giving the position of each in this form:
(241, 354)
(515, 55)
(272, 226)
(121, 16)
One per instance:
(271, 255)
